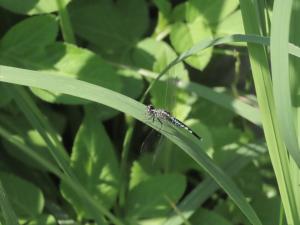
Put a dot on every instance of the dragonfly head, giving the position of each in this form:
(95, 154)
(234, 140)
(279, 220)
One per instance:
(150, 108)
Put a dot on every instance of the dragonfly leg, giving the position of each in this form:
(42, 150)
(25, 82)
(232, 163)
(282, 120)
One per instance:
(160, 122)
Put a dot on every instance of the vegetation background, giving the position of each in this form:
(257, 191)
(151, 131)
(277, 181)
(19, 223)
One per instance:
(72, 151)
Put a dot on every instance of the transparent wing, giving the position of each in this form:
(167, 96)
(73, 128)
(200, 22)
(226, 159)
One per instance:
(150, 142)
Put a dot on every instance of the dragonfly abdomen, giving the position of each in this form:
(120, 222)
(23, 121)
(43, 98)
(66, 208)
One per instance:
(161, 114)
(180, 124)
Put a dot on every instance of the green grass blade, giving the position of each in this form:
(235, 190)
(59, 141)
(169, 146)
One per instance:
(264, 91)
(56, 149)
(92, 206)
(65, 22)
(236, 105)
(8, 136)
(207, 187)
(248, 38)
(294, 82)
(231, 103)
(6, 209)
(36, 118)
(129, 106)
(280, 76)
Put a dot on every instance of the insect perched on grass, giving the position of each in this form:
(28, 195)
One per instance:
(163, 115)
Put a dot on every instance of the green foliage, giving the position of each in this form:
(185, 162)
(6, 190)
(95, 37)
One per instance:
(27, 199)
(184, 36)
(32, 7)
(126, 22)
(94, 162)
(43, 220)
(152, 197)
(69, 154)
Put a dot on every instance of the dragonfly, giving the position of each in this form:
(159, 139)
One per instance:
(163, 115)
(163, 94)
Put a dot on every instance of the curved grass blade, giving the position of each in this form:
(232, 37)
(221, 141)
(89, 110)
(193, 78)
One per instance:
(241, 108)
(92, 206)
(91, 92)
(281, 77)
(56, 149)
(218, 41)
(263, 86)
(208, 186)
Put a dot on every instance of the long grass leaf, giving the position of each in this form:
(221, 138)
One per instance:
(236, 105)
(263, 86)
(92, 206)
(280, 76)
(56, 149)
(294, 82)
(129, 106)
(248, 38)
(207, 187)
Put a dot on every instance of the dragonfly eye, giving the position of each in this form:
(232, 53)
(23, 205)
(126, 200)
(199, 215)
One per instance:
(150, 107)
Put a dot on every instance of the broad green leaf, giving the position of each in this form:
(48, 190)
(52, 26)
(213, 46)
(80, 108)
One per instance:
(31, 7)
(94, 163)
(113, 26)
(213, 11)
(33, 52)
(179, 12)
(79, 63)
(138, 174)
(232, 24)
(185, 35)
(224, 135)
(206, 217)
(36, 143)
(43, 220)
(209, 113)
(27, 199)
(132, 82)
(21, 130)
(155, 55)
(151, 198)
(29, 34)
